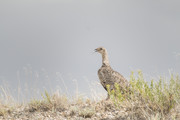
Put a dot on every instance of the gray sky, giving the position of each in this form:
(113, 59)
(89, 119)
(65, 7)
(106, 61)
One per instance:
(60, 36)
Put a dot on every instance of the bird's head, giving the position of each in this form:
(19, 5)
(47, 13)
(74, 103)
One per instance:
(100, 50)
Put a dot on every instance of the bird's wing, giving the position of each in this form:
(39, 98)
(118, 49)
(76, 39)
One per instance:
(109, 76)
(118, 78)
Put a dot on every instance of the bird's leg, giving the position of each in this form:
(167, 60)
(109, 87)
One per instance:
(108, 96)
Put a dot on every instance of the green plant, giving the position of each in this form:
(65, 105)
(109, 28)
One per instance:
(157, 96)
(87, 112)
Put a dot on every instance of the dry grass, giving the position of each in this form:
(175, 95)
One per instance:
(53, 103)
(146, 101)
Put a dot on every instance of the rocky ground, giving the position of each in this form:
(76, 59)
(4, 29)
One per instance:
(83, 110)
(103, 110)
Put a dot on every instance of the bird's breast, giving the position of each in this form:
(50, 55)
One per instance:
(104, 75)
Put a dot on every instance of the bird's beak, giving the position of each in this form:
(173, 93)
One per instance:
(95, 50)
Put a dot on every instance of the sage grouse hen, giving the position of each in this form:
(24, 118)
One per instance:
(107, 75)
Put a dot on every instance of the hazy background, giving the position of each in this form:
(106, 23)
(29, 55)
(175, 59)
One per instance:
(49, 44)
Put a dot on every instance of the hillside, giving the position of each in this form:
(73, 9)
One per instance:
(147, 101)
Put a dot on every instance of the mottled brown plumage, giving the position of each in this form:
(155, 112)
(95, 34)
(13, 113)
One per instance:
(107, 75)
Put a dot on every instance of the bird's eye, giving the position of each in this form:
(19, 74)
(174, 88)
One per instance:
(100, 48)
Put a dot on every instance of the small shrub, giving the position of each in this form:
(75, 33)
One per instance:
(54, 102)
(87, 112)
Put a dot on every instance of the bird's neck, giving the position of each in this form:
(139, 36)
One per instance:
(105, 60)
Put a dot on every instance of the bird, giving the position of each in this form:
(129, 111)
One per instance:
(108, 76)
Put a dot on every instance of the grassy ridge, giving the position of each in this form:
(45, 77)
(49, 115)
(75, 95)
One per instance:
(146, 101)
(157, 97)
